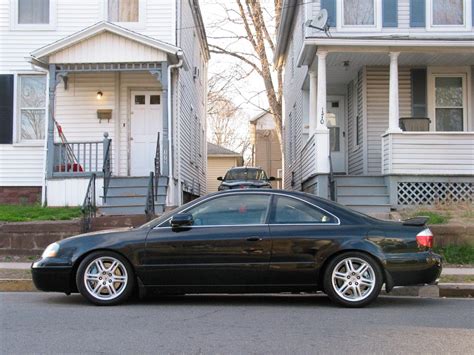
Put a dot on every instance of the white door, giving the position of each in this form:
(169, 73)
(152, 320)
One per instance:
(146, 122)
(337, 135)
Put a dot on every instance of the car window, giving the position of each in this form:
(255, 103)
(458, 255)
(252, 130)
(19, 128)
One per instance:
(291, 211)
(246, 174)
(232, 210)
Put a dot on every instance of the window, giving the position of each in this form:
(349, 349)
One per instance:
(31, 107)
(448, 12)
(359, 12)
(359, 15)
(292, 211)
(33, 14)
(123, 10)
(449, 102)
(232, 210)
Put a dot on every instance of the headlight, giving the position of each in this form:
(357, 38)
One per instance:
(51, 251)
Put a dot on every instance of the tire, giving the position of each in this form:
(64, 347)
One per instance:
(353, 279)
(110, 279)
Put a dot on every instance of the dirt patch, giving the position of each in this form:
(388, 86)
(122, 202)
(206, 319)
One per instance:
(15, 274)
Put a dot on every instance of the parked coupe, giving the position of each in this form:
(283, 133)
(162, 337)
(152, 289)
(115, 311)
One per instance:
(245, 241)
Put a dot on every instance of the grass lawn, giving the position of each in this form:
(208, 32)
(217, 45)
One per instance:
(457, 254)
(434, 217)
(24, 213)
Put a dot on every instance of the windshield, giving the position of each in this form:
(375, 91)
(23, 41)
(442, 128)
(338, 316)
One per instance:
(246, 174)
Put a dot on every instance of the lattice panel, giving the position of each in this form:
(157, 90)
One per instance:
(428, 193)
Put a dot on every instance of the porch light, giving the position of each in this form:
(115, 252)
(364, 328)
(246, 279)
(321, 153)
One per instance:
(99, 95)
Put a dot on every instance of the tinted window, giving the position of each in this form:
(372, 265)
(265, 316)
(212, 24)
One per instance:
(233, 209)
(289, 211)
(246, 174)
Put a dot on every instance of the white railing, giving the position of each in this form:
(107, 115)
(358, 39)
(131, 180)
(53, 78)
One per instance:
(428, 153)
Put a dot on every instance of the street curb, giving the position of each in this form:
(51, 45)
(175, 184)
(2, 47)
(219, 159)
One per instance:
(17, 285)
(460, 290)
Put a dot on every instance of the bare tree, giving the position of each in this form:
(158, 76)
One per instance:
(248, 22)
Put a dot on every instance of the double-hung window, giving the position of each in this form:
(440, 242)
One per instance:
(31, 107)
(33, 14)
(446, 15)
(359, 15)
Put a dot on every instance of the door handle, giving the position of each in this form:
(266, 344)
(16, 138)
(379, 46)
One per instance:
(254, 239)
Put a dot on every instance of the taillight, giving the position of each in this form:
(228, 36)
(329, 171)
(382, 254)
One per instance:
(425, 238)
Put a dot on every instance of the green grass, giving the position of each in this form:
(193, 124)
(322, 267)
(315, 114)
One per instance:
(457, 254)
(434, 218)
(24, 213)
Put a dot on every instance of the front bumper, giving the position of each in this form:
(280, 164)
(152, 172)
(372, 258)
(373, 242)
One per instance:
(53, 276)
(414, 268)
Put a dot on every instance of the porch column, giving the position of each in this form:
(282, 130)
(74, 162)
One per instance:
(313, 99)
(393, 110)
(322, 132)
(165, 167)
(50, 133)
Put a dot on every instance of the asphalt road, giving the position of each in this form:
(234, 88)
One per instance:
(251, 324)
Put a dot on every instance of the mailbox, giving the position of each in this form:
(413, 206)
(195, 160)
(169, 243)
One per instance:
(104, 114)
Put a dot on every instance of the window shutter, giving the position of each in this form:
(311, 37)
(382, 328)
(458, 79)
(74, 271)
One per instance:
(390, 13)
(417, 13)
(418, 92)
(6, 109)
(330, 6)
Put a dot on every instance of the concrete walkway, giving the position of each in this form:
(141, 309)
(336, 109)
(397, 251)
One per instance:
(446, 271)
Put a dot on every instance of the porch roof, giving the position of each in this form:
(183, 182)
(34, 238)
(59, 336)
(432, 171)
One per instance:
(106, 42)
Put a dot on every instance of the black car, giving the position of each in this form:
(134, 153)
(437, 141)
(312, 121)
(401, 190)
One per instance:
(245, 241)
(245, 178)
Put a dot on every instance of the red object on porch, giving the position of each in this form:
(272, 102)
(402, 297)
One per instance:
(75, 167)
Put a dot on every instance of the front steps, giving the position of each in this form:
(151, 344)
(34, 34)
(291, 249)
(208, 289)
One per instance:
(127, 196)
(366, 194)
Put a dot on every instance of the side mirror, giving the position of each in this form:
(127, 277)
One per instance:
(271, 178)
(181, 220)
(220, 178)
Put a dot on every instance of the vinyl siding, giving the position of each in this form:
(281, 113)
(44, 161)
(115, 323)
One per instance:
(21, 165)
(377, 109)
(355, 157)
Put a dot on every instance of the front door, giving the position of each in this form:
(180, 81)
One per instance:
(337, 135)
(228, 244)
(146, 121)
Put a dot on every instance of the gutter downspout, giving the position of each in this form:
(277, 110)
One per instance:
(178, 65)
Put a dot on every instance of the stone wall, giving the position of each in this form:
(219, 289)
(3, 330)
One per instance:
(14, 195)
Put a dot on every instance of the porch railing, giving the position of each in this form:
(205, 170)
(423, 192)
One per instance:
(332, 181)
(157, 164)
(150, 198)
(107, 164)
(80, 158)
(89, 206)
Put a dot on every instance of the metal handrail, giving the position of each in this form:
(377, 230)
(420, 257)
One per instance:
(107, 165)
(150, 198)
(89, 206)
(157, 165)
(332, 181)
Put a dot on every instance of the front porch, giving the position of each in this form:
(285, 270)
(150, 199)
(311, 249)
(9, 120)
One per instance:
(407, 120)
(108, 118)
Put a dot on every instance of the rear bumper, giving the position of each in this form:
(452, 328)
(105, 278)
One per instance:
(55, 278)
(414, 268)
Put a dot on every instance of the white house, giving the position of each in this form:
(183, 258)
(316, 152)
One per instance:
(125, 82)
(379, 109)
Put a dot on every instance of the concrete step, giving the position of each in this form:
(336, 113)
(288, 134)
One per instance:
(127, 191)
(128, 181)
(372, 199)
(361, 190)
(129, 200)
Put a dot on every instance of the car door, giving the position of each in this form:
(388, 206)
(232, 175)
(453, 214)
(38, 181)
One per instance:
(227, 244)
(298, 230)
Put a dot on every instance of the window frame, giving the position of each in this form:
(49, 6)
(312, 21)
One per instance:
(467, 18)
(465, 74)
(376, 27)
(17, 140)
(140, 24)
(15, 26)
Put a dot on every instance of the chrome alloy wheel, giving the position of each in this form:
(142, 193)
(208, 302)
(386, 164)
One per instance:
(353, 279)
(105, 278)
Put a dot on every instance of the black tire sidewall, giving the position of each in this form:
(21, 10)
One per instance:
(329, 288)
(82, 287)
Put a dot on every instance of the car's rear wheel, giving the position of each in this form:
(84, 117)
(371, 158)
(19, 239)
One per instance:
(105, 278)
(353, 279)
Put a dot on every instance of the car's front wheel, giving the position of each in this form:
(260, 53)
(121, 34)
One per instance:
(105, 278)
(353, 279)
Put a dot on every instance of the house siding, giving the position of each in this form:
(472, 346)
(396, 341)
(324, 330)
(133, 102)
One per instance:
(293, 104)
(378, 79)
(355, 157)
